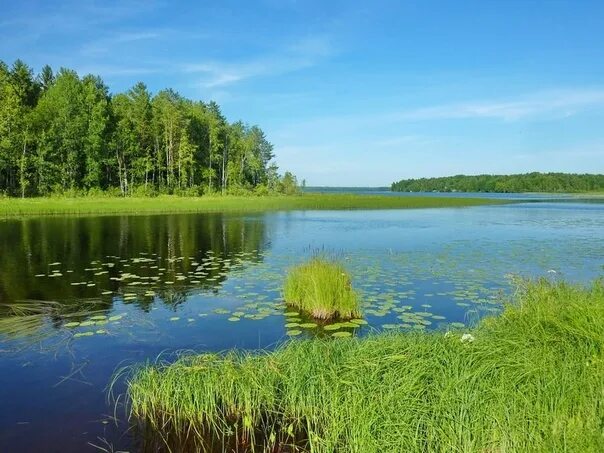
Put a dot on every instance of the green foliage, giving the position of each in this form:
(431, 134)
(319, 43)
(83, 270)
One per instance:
(528, 380)
(322, 288)
(64, 134)
(289, 184)
(529, 182)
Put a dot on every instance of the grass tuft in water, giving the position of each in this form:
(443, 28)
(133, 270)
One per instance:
(530, 380)
(322, 288)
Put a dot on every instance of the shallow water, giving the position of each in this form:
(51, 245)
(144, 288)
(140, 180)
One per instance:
(130, 288)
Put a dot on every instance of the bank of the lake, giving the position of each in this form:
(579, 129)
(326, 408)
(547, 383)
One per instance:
(15, 207)
(528, 380)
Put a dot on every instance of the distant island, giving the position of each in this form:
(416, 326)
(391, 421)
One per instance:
(527, 182)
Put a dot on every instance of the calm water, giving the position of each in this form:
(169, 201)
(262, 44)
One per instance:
(126, 289)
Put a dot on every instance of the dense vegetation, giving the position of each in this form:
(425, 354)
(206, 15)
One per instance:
(322, 288)
(67, 134)
(528, 380)
(11, 207)
(529, 182)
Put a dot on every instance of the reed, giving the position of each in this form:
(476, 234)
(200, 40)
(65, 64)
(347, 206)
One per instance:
(527, 380)
(16, 207)
(322, 288)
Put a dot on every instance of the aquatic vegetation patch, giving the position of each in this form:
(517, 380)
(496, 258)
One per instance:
(32, 321)
(527, 380)
(322, 288)
(12, 207)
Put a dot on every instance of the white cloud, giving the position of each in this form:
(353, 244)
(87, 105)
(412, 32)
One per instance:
(560, 103)
(108, 44)
(304, 53)
(115, 70)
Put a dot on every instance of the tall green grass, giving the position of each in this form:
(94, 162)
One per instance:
(531, 379)
(11, 207)
(322, 288)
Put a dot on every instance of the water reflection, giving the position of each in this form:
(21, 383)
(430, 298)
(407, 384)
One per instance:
(89, 264)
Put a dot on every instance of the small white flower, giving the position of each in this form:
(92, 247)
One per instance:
(467, 338)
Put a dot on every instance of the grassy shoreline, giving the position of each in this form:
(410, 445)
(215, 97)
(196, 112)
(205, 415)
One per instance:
(16, 207)
(527, 380)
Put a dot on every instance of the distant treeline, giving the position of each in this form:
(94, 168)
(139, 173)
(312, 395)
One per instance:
(61, 133)
(528, 182)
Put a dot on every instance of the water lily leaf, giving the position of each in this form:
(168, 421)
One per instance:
(342, 334)
(98, 318)
(83, 334)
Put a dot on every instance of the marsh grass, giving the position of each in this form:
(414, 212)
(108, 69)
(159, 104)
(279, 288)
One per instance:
(32, 321)
(16, 207)
(532, 380)
(26, 319)
(322, 288)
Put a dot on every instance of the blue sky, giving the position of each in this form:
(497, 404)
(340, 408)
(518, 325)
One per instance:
(354, 93)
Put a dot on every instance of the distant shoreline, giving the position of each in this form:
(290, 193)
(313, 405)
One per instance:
(518, 183)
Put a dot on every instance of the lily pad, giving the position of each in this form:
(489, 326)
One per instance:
(342, 334)
(83, 334)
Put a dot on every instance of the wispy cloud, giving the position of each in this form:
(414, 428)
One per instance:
(115, 70)
(401, 140)
(108, 43)
(302, 54)
(561, 103)
(552, 104)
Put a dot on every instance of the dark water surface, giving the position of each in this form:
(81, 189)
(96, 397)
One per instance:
(105, 292)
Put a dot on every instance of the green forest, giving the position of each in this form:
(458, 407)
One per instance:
(528, 182)
(62, 133)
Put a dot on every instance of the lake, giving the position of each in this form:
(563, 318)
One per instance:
(101, 293)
